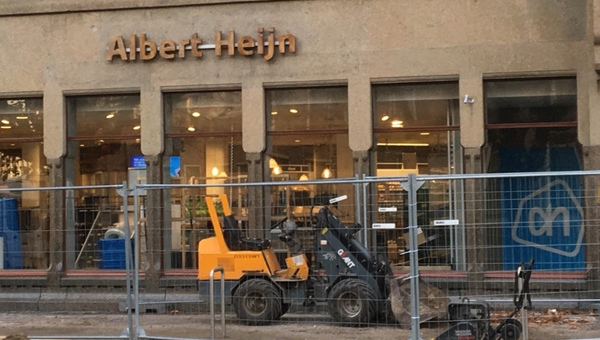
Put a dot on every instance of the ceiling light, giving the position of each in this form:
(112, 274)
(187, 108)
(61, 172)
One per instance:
(403, 144)
(397, 123)
(5, 127)
(272, 163)
(326, 173)
(303, 177)
(191, 128)
(293, 111)
(137, 140)
(276, 170)
(137, 127)
(273, 112)
(82, 145)
(215, 171)
(110, 115)
(424, 133)
(384, 118)
(297, 141)
(4, 121)
(22, 117)
(196, 114)
(101, 141)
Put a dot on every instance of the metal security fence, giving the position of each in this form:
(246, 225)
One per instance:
(364, 251)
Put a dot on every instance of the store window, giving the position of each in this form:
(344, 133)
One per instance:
(531, 125)
(103, 143)
(203, 133)
(307, 139)
(24, 227)
(416, 131)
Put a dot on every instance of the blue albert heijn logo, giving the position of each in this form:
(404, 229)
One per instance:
(551, 219)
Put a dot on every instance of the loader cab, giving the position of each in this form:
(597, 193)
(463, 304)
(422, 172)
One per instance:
(236, 241)
(229, 249)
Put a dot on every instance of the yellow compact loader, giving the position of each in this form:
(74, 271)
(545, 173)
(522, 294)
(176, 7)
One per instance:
(354, 283)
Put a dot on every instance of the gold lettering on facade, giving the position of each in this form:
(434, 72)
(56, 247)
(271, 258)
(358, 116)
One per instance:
(116, 47)
(266, 44)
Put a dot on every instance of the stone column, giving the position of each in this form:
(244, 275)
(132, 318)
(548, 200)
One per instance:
(474, 218)
(254, 143)
(256, 199)
(57, 223)
(591, 187)
(154, 225)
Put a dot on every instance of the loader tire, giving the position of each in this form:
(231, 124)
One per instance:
(257, 302)
(352, 303)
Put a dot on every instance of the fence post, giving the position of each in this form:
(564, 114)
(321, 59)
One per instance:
(412, 186)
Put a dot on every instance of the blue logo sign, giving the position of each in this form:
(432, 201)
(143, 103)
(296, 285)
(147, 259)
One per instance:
(543, 218)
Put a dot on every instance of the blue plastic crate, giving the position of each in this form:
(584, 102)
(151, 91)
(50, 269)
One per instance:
(113, 253)
(10, 232)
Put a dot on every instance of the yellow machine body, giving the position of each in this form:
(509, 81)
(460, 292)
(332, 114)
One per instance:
(213, 252)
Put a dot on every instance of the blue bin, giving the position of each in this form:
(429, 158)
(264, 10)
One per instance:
(112, 253)
(10, 232)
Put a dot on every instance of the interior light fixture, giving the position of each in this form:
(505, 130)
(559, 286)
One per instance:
(384, 118)
(424, 133)
(397, 123)
(22, 117)
(222, 174)
(296, 141)
(273, 112)
(5, 127)
(215, 171)
(272, 163)
(137, 127)
(82, 145)
(276, 170)
(303, 177)
(326, 173)
(110, 115)
(293, 111)
(4, 121)
(402, 144)
(196, 114)
(191, 128)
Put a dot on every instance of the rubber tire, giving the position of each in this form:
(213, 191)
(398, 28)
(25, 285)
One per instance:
(515, 322)
(364, 297)
(257, 302)
(285, 307)
(510, 331)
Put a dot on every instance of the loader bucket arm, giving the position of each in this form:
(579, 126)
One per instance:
(212, 211)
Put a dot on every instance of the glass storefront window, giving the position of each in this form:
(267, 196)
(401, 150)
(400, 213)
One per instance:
(307, 139)
(103, 145)
(531, 125)
(203, 145)
(416, 129)
(23, 165)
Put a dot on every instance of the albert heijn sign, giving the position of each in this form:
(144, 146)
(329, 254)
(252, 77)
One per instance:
(141, 47)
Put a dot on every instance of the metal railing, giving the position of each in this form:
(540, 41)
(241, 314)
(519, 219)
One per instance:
(212, 301)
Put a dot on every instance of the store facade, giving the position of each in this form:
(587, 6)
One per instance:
(199, 92)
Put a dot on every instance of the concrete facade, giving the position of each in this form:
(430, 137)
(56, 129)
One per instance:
(54, 49)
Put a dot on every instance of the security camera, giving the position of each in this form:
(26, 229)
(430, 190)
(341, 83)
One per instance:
(468, 100)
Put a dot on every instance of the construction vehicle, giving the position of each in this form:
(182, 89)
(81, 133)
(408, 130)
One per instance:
(471, 319)
(344, 274)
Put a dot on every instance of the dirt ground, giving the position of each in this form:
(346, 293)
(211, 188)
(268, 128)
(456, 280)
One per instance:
(543, 325)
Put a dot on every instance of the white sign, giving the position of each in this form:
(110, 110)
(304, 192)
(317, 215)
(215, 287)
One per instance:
(445, 222)
(388, 209)
(384, 225)
(337, 199)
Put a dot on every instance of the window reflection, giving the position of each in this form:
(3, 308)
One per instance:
(203, 133)
(23, 165)
(417, 132)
